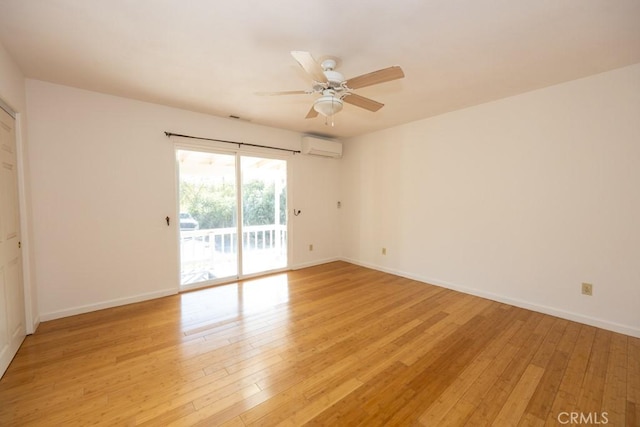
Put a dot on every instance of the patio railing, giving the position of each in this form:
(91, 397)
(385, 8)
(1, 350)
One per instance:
(205, 253)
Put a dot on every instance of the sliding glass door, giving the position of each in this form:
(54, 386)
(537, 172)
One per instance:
(264, 214)
(217, 189)
(208, 216)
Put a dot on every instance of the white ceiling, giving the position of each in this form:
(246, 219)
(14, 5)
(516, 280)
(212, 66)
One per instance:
(212, 56)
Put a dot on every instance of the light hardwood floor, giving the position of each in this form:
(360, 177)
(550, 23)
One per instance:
(334, 345)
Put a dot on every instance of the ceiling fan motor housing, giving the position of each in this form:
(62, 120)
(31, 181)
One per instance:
(335, 78)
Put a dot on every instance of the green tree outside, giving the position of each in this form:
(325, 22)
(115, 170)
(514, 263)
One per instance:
(213, 205)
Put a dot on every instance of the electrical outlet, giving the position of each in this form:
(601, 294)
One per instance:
(587, 289)
(384, 251)
(310, 247)
(339, 204)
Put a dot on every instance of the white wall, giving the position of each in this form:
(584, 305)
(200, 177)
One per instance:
(519, 200)
(12, 93)
(103, 180)
(316, 186)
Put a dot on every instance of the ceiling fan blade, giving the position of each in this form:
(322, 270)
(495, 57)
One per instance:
(310, 65)
(285, 92)
(362, 102)
(375, 77)
(312, 113)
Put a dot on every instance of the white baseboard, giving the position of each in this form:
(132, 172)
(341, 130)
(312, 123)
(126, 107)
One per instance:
(552, 311)
(143, 297)
(317, 262)
(34, 325)
(106, 304)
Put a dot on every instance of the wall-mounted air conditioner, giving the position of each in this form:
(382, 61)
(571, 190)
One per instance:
(315, 146)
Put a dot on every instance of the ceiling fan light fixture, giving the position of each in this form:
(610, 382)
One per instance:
(328, 105)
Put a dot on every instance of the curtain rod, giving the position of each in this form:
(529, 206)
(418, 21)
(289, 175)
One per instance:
(239, 144)
(8, 109)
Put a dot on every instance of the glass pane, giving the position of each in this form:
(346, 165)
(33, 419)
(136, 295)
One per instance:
(264, 214)
(208, 216)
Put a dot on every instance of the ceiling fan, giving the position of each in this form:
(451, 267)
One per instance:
(334, 89)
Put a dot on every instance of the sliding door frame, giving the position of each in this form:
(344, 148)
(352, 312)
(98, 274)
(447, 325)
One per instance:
(238, 153)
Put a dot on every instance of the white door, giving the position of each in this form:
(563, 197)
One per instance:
(12, 320)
